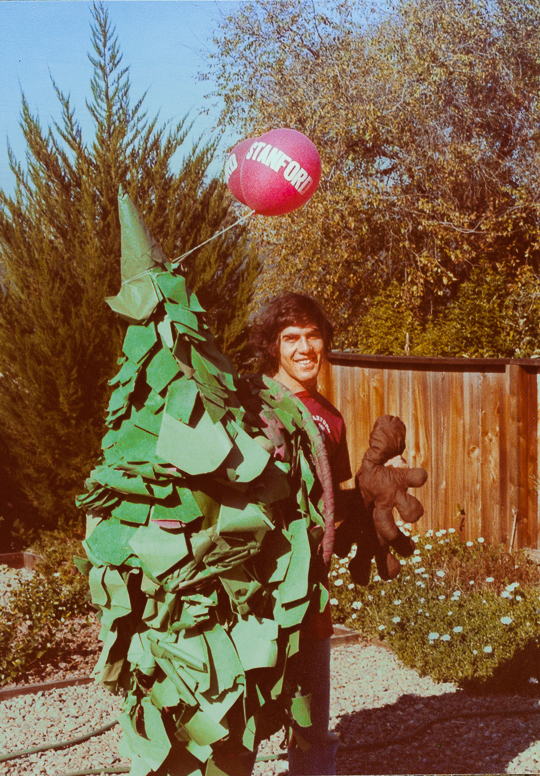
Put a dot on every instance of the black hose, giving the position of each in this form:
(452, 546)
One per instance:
(58, 744)
(119, 769)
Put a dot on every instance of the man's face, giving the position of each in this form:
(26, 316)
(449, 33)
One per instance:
(301, 351)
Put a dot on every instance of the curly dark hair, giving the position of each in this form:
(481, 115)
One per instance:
(283, 311)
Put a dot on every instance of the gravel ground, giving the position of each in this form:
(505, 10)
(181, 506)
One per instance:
(58, 715)
(374, 699)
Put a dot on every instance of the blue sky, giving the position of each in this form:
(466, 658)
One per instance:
(161, 41)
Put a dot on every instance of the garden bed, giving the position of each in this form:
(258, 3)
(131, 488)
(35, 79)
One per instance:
(74, 653)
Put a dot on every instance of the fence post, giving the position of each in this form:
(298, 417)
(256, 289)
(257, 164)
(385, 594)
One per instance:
(518, 456)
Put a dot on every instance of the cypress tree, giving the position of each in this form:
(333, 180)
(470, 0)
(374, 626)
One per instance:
(60, 258)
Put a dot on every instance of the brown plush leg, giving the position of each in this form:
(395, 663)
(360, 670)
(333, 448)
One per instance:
(387, 565)
(403, 545)
(360, 567)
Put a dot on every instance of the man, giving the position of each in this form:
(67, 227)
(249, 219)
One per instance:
(292, 337)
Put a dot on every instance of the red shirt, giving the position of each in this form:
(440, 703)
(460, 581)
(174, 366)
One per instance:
(330, 423)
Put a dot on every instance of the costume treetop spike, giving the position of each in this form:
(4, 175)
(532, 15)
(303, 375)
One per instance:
(137, 298)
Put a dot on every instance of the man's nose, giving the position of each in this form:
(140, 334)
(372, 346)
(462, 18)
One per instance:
(305, 345)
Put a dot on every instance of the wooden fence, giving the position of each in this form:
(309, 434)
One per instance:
(471, 423)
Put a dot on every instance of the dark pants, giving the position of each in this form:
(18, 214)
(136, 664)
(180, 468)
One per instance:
(312, 670)
(313, 674)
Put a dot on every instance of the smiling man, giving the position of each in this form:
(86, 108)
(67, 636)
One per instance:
(292, 337)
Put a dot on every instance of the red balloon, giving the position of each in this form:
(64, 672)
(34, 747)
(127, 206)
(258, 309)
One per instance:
(280, 172)
(233, 166)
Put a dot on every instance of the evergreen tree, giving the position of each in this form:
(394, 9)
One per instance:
(60, 258)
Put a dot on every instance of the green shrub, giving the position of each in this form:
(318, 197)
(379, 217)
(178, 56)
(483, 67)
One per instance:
(458, 611)
(39, 606)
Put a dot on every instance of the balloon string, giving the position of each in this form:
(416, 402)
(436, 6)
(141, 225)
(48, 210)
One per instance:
(174, 261)
(218, 234)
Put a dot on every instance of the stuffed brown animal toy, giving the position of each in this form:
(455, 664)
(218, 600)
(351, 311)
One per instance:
(369, 520)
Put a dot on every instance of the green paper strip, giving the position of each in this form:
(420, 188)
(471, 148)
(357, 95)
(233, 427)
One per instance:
(161, 370)
(226, 662)
(203, 729)
(126, 373)
(295, 585)
(139, 341)
(164, 693)
(248, 459)
(136, 301)
(148, 420)
(246, 518)
(97, 587)
(181, 398)
(162, 648)
(154, 746)
(193, 450)
(182, 688)
(301, 710)
(159, 550)
(119, 480)
(140, 653)
(173, 287)
(182, 315)
(185, 331)
(117, 591)
(134, 444)
(132, 511)
(110, 541)
(256, 642)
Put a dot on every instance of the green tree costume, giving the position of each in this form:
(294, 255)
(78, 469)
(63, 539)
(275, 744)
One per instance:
(206, 515)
